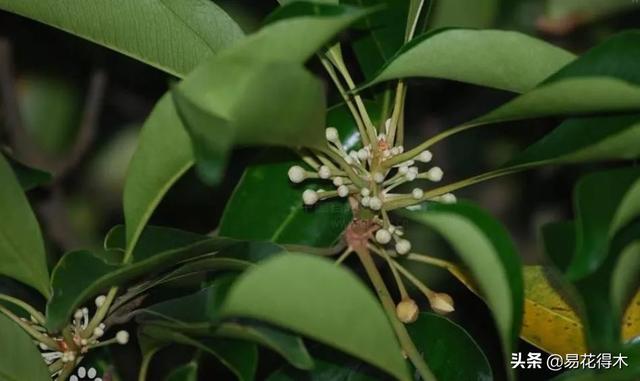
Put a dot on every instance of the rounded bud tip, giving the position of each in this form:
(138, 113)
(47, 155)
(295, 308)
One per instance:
(383, 236)
(417, 193)
(100, 300)
(122, 337)
(425, 156)
(435, 174)
(378, 177)
(343, 191)
(375, 203)
(296, 174)
(324, 172)
(403, 246)
(98, 332)
(338, 181)
(309, 197)
(331, 134)
(407, 311)
(448, 198)
(441, 303)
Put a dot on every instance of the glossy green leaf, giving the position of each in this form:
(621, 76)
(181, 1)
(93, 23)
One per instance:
(23, 361)
(583, 140)
(600, 242)
(165, 153)
(601, 213)
(382, 33)
(80, 275)
(187, 372)
(231, 101)
(240, 357)
(173, 36)
(499, 59)
(322, 301)
(631, 372)
(29, 178)
(330, 366)
(602, 80)
(21, 246)
(485, 248)
(198, 316)
(284, 219)
(438, 339)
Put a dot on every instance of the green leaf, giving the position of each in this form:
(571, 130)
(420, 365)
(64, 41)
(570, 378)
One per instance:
(198, 316)
(23, 361)
(602, 80)
(330, 366)
(187, 372)
(29, 178)
(383, 33)
(499, 59)
(173, 36)
(80, 275)
(284, 219)
(437, 338)
(165, 153)
(312, 296)
(485, 248)
(584, 139)
(601, 213)
(240, 357)
(232, 100)
(22, 251)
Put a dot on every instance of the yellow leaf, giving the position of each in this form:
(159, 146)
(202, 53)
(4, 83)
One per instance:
(549, 322)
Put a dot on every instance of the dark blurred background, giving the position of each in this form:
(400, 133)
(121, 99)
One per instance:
(75, 109)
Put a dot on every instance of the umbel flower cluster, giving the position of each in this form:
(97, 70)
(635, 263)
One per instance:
(377, 178)
(361, 175)
(62, 353)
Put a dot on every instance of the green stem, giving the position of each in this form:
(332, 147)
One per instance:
(401, 288)
(345, 96)
(101, 313)
(387, 303)
(408, 155)
(49, 342)
(26, 307)
(146, 361)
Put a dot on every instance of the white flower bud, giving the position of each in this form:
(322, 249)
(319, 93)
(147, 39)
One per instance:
(122, 337)
(375, 203)
(365, 192)
(43, 346)
(365, 201)
(332, 135)
(403, 170)
(92, 373)
(324, 172)
(448, 198)
(354, 156)
(387, 124)
(363, 154)
(77, 315)
(337, 181)
(297, 174)
(435, 174)
(100, 300)
(82, 372)
(343, 191)
(382, 136)
(400, 149)
(394, 151)
(403, 246)
(441, 303)
(98, 332)
(407, 311)
(417, 193)
(309, 197)
(74, 378)
(391, 229)
(383, 236)
(410, 175)
(349, 160)
(425, 156)
(378, 177)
